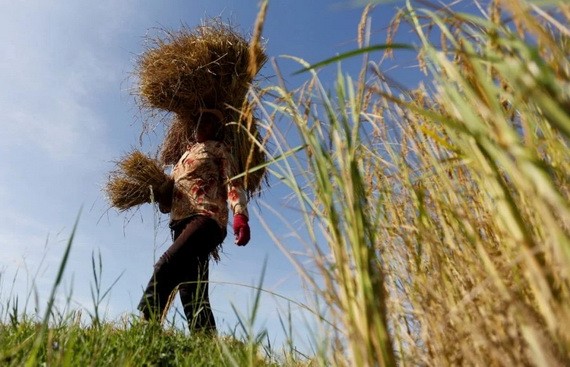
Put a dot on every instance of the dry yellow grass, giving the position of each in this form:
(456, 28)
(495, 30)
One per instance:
(439, 218)
(134, 181)
(204, 67)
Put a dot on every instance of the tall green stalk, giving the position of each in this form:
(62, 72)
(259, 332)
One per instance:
(439, 218)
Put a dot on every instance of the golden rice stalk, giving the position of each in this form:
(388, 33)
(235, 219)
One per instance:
(256, 53)
(245, 141)
(123, 193)
(192, 68)
(133, 181)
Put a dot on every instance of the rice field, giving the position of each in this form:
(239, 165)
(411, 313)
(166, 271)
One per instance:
(437, 219)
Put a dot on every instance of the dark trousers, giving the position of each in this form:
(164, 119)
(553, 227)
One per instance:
(185, 264)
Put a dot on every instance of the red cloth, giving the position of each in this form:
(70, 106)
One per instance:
(241, 229)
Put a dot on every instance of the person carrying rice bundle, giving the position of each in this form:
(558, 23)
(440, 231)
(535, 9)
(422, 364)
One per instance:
(196, 196)
(202, 77)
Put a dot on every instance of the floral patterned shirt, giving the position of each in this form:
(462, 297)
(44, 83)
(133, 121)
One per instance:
(202, 184)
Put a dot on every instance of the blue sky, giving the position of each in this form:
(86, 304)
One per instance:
(68, 112)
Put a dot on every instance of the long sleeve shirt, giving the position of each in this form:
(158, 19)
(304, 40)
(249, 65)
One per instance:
(202, 184)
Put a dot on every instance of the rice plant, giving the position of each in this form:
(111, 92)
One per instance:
(439, 218)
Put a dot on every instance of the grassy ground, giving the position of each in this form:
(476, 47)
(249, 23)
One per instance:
(67, 337)
(133, 343)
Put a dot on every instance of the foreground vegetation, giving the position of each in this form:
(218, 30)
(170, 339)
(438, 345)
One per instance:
(439, 217)
(66, 337)
(132, 343)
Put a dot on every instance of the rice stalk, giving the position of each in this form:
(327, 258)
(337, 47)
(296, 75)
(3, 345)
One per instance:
(438, 218)
(136, 179)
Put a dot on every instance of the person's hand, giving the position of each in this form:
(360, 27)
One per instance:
(241, 230)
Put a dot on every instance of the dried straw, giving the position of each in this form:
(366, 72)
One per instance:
(211, 67)
(208, 67)
(134, 180)
(203, 67)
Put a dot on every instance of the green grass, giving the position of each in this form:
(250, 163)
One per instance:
(84, 337)
(132, 343)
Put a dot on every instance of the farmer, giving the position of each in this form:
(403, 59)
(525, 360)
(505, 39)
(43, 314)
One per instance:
(197, 197)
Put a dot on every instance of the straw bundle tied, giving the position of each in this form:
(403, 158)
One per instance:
(134, 180)
(208, 66)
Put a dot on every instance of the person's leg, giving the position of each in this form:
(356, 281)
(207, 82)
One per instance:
(180, 263)
(194, 290)
(194, 295)
(160, 286)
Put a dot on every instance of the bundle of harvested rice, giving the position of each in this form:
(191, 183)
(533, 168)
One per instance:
(203, 67)
(133, 181)
(246, 144)
(209, 67)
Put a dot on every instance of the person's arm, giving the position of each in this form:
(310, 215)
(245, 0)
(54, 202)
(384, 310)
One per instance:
(237, 200)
